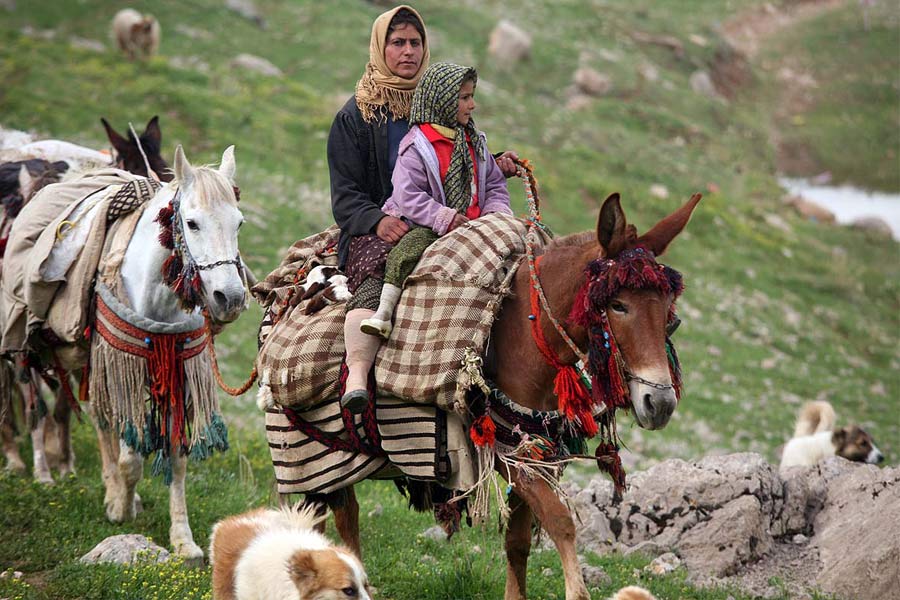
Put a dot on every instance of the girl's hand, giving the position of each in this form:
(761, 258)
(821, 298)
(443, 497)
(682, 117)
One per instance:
(391, 229)
(506, 162)
(458, 219)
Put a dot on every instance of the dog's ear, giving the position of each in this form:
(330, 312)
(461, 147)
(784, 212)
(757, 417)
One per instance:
(839, 437)
(303, 569)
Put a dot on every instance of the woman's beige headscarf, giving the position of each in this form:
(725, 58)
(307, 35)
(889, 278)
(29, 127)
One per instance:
(378, 86)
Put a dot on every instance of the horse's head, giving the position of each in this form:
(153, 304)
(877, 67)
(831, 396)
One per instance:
(627, 308)
(128, 152)
(206, 220)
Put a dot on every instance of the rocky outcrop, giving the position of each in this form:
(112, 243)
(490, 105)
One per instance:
(726, 516)
(126, 549)
(508, 44)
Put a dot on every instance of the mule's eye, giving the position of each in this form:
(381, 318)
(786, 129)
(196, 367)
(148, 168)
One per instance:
(349, 592)
(618, 307)
(672, 326)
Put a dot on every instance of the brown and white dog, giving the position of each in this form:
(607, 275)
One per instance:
(135, 34)
(815, 439)
(278, 555)
(633, 592)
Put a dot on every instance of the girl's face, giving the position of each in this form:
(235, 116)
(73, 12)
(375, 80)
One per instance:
(466, 103)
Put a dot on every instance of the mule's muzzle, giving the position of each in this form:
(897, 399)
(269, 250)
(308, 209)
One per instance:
(226, 304)
(652, 405)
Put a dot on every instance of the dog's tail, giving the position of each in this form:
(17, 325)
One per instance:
(814, 417)
(303, 516)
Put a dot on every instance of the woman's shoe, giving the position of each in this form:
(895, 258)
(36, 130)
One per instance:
(355, 401)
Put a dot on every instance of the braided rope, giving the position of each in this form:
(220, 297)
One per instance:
(231, 391)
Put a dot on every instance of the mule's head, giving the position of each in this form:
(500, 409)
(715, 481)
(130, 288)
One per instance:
(209, 220)
(128, 153)
(630, 314)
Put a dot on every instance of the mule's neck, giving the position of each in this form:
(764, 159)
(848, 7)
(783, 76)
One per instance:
(522, 371)
(142, 265)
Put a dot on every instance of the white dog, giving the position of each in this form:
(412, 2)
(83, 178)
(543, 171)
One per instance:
(815, 439)
(277, 555)
(135, 34)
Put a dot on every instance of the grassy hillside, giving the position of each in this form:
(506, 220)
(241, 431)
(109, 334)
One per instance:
(777, 310)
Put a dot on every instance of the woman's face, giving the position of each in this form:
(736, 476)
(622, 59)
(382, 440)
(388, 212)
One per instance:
(404, 50)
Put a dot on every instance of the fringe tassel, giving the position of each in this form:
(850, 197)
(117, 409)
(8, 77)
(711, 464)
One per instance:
(574, 399)
(483, 431)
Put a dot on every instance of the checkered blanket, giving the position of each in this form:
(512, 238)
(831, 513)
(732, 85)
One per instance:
(448, 307)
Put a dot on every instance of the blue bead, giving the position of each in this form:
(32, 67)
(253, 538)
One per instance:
(187, 340)
(606, 344)
(147, 341)
(508, 490)
(605, 335)
(531, 317)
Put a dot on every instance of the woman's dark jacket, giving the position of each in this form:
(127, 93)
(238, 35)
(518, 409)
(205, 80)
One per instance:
(360, 174)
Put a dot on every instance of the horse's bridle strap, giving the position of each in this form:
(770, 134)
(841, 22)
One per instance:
(220, 263)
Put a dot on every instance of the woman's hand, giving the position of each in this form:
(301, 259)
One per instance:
(391, 229)
(458, 220)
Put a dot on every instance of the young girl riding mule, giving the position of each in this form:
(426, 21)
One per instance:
(443, 178)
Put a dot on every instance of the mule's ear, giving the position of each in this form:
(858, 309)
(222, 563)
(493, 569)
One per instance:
(152, 130)
(25, 182)
(119, 143)
(612, 229)
(658, 239)
(227, 167)
(183, 171)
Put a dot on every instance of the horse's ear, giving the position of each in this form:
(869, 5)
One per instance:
(25, 182)
(183, 171)
(119, 143)
(613, 232)
(152, 130)
(227, 167)
(658, 239)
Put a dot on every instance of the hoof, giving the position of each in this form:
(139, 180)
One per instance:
(355, 401)
(118, 512)
(138, 504)
(44, 477)
(191, 553)
(17, 467)
(376, 327)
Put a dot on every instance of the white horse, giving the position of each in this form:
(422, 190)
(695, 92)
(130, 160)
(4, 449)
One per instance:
(206, 218)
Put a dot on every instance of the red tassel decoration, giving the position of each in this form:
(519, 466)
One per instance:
(609, 462)
(483, 431)
(574, 399)
(166, 230)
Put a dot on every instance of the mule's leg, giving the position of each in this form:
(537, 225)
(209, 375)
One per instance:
(518, 547)
(129, 468)
(180, 535)
(556, 520)
(62, 416)
(346, 520)
(35, 418)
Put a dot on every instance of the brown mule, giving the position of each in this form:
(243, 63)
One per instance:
(638, 319)
(128, 154)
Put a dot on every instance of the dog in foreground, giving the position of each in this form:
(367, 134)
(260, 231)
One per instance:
(269, 554)
(815, 439)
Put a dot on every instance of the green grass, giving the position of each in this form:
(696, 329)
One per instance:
(772, 318)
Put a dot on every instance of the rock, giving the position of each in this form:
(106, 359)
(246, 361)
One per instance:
(591, 82)
(659, 191)
(376, 511)
(858, 533)
(800, 539)
(811, 210)
(702, 84)
(875, 225)
(546, 572)
(435, 533)
(257, 64)
(13, 575)
(649, 72)
(698, 40)
(577, 101)
(87, 44)
(126, 549)
(777, 222)
(646, 548)
(248, 10)
(595, 576)
(508, 44)
(661, 565)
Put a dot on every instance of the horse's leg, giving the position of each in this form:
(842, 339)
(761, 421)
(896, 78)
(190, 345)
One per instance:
(62, 416)
(14, 462)
(180, 535)
(556, 520)
(35, 421)
(346, 521)
(518, 547)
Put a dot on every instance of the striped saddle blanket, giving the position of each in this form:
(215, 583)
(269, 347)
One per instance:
(446, 312)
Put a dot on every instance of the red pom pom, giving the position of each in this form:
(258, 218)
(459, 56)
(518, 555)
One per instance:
(483, 431)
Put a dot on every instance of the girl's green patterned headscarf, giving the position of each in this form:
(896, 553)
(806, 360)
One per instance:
(436, 101)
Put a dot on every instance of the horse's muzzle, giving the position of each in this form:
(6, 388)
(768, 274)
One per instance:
(652, 405)
(227, 304)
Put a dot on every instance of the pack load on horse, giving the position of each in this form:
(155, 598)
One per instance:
(19, 181)
(110, 276)
(484, 371)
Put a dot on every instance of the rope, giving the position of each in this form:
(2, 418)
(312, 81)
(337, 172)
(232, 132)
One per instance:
(231, 391)
(137, 140)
